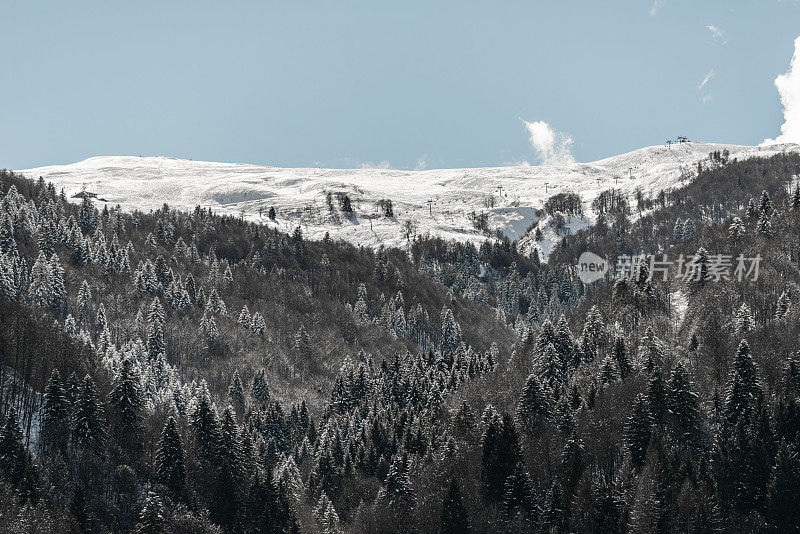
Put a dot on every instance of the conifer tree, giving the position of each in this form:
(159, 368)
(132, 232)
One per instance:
(501, 453)
(54, 416)
(518, 500)
(657, 397)
(783, 492)
(638, 430)
(126, 403)
(744, 320)
(683, 407)
(151, 520)
(533, 409)
(236, 392)
(155, 329)
(572, 462)
(455, 519)
(88, 426)
(16, 464)
(260, 388)
(170, 470)
(398, 497)
(621, 357)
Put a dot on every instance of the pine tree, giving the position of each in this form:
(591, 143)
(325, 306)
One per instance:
(244, 317)
(455, 519)
(783, 493)
(260, 388)
(518, 500)
(126, 403)
(54, 416)
(638, 431)
(657, 397)
(156, 322)
(744, 320)
(677, 231)
(258, 326)
(16, 464)
(398, 497)
(744, 387)
(572, 462)
(501, 453)
(88, 428)
(236, 392)
(683, 407)
(58, 291)
(621, 357)
(533, 409)
(170, 470)
(782, 307)
(765, 204)
(451, 332)
(207, 439)
(151, 520)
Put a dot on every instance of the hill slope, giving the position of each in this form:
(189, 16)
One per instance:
(299, 195)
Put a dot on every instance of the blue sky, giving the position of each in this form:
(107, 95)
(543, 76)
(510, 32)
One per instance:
(408, 84)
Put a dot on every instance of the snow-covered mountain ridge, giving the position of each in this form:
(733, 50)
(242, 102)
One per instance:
(438, 202)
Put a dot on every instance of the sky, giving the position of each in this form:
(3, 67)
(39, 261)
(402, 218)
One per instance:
(412, 84)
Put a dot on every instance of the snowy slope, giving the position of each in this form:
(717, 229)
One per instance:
(298, 195)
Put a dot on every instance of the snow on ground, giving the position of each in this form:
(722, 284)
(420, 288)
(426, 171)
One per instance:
(438, 202)
(680, 303)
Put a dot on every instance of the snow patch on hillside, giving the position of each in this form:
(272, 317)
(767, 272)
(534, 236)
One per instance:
(436, 202)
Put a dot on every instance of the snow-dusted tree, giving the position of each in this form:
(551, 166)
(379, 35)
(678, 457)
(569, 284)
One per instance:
(260, 388)
(88, 429)
(744, 320)
(258, 325)
(236, 392)
(244, 317)
(39, 290)
(156, 321)
(125, 406)
(451, 331)
(58, 291)
(151, 519)
(54, 416)
(533, 409)
(215, 305)
(170, 470)
(782, 307)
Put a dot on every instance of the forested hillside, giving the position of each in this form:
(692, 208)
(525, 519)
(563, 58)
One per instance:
(189, 372)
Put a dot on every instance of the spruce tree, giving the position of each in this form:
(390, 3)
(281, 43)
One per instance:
(54, 416)
(501, 453)
(155, 329)
(88, 426)
(16, 463)
(260, 389)
(783, 493)
(151, 520)
(236, 392)
(621, 357)
(683, 407)
(533, 409)
(170, 469)
(125, 407)
(455, 519)
(638, 431)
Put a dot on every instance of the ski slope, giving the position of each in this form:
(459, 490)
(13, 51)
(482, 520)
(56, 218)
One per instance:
(438, 202)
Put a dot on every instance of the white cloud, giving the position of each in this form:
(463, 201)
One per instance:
(705, 99)
(788, 85)
(422, 164)
(552, 147)
(656, 5)
(717, 34)
(706, 79)
(383, 165)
